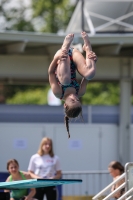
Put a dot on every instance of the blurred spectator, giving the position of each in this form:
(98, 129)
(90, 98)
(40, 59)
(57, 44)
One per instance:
(25, 194)
(44, 164)
(116, 169)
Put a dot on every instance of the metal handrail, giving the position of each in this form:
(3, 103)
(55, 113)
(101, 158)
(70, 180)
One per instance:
(108, 187)
(115, 191)
(129, 197)
(125, 194)
(93, 182)
(85, 172)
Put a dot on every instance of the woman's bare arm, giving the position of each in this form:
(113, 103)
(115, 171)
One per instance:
(32, 190)
(7, 180)
(58, 175)
(52, 78)
(53, 65)
(82, 88)
(32, 175)
(31, 194)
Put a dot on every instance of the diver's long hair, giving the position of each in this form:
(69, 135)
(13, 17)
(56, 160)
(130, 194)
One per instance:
(72, 112)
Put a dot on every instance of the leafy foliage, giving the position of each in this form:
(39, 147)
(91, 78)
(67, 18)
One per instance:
(30, 96)
(96, 94)
(106, 93)
(56, 14)
(13, 16)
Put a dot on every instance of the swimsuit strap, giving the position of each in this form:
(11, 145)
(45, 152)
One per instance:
(22, 175)
(10, 178)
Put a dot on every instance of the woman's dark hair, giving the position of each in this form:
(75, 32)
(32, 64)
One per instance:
(12, 161)
(71, 112)
(117, 165)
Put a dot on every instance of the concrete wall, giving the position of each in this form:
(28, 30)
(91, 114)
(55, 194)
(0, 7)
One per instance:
(91, 147)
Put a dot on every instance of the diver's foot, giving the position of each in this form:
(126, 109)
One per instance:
(66, 45)
(87, 45)
(67, 42)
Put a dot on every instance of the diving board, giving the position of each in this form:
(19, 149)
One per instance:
(36, 183)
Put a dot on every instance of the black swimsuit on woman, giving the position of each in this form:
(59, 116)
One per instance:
(73, 83)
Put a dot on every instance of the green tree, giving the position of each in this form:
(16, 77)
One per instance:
(107, 93)
(96, 94)
(55, 13)
(13, 16)
(29, 95)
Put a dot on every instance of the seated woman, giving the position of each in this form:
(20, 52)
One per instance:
(16, 175)
(116, 169)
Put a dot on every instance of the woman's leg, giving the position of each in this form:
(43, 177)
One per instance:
(86, 67)
(39, 193)
(51, 193)
(63, 68)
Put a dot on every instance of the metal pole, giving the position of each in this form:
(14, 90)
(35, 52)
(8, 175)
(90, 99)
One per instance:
(82, 15)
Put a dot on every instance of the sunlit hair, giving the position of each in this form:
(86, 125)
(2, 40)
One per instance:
(117, 165)
(44, 141)
(12, 161)
(72, 112)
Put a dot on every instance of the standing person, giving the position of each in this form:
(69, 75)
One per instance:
(15, 175)
(116, 169)
(44, 164)
(62, 75)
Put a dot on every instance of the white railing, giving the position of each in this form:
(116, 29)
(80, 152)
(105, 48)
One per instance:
(115, 191)
(126, 194)
(93, 182)
(108, 187)
(128, 185)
